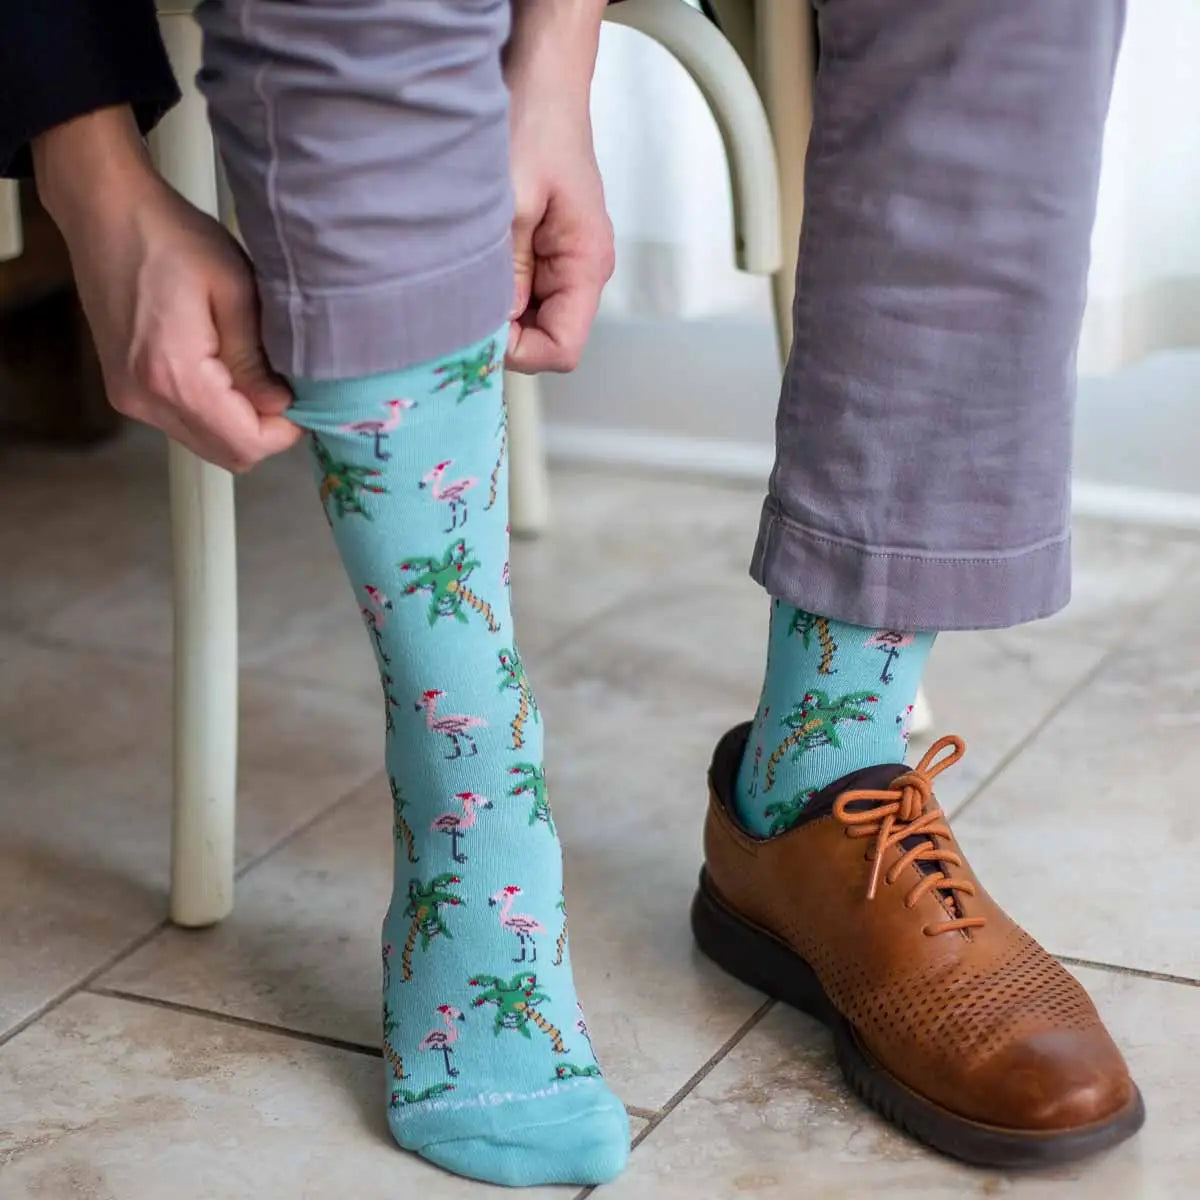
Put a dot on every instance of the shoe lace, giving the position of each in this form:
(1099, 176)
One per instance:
(908, 810)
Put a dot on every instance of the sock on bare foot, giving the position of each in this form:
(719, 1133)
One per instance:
(490, 1068)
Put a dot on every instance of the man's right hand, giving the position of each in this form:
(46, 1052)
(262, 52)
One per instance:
(168, 293)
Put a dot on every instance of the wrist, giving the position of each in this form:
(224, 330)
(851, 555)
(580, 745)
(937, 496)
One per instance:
(94, 164)
(552, 50)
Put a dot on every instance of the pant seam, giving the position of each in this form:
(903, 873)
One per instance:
(273, 204)
(967, 556)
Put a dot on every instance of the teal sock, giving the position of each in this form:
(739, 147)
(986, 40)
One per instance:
(490, 1069)
(836, 698)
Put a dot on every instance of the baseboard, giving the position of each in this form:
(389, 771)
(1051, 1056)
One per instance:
(750, 463)
(743, 462)
(1135, 506)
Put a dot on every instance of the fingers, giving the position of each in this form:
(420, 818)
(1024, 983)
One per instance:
(235, 315)
(551, 334)
(195, 404)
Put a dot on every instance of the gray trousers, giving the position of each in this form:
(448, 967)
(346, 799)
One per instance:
(924, 427)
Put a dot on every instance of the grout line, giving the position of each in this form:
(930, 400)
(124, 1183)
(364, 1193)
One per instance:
(1006, 760)
(191, 1010)
(1073, 693)
(1137, 972)
(131, 948)
(644, 1114)
(351, 794)
(658, 1116)
(66, 994)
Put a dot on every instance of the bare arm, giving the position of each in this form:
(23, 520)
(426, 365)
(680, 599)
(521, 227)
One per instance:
(562, 238)
(168, 293)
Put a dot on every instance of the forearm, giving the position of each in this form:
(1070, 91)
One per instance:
(553, 45)
(93, 165)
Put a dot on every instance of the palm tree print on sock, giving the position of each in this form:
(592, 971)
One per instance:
(808, 625)
(813, 723)
(571, 1071)
(516, 1002)
(513, 678)
(890, 642)
(785, 813)
(402, 830)
(445, 579)
(391, 1057)
(343, 483)
(401, 1097)
(560, 946)
(424, 910)
(532, 782)
(494, 482)
(473, 372)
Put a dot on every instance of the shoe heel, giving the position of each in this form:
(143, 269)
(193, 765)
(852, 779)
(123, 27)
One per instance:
(756, 958)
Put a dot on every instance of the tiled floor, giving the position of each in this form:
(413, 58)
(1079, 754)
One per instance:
(139, 1062)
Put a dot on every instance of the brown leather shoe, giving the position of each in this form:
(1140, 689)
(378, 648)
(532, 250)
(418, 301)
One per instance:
(947, 1017)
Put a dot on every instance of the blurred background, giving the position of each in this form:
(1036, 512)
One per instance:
(681, 370)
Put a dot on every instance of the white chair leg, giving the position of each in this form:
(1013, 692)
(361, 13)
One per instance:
(528, 478)
(727, 87)
(205, 589)
(921, 720)
(786, 70)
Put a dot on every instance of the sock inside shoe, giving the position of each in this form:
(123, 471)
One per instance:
(836, 698)
(490, 1066)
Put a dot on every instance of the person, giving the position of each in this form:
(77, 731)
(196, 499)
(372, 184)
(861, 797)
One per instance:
(396, 167)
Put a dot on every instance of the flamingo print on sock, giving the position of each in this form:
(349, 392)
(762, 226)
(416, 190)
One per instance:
(444, 1039)
(456, 824)
(453, 494)
(379, 428)
(522, 924)
(451, 725)
(374, 613)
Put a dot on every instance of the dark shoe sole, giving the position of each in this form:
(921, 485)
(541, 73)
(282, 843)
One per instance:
(762, 961)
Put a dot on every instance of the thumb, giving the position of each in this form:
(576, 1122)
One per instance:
(523, 264)
(235, 315)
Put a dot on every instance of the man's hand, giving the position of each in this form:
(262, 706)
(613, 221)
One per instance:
(562, 237)
(168, 294)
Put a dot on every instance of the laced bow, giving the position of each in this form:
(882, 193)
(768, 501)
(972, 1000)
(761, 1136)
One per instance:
(907, 809)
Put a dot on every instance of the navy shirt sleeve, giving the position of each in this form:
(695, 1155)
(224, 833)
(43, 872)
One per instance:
(60, 59)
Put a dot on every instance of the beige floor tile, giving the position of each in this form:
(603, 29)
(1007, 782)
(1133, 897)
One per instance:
(774, 1121)
(85, 800)
(996, 687)
(57, 552)
(109, 1100)
(1090, 837)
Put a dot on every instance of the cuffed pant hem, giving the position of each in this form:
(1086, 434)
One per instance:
(366, 331)
(890, 589)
